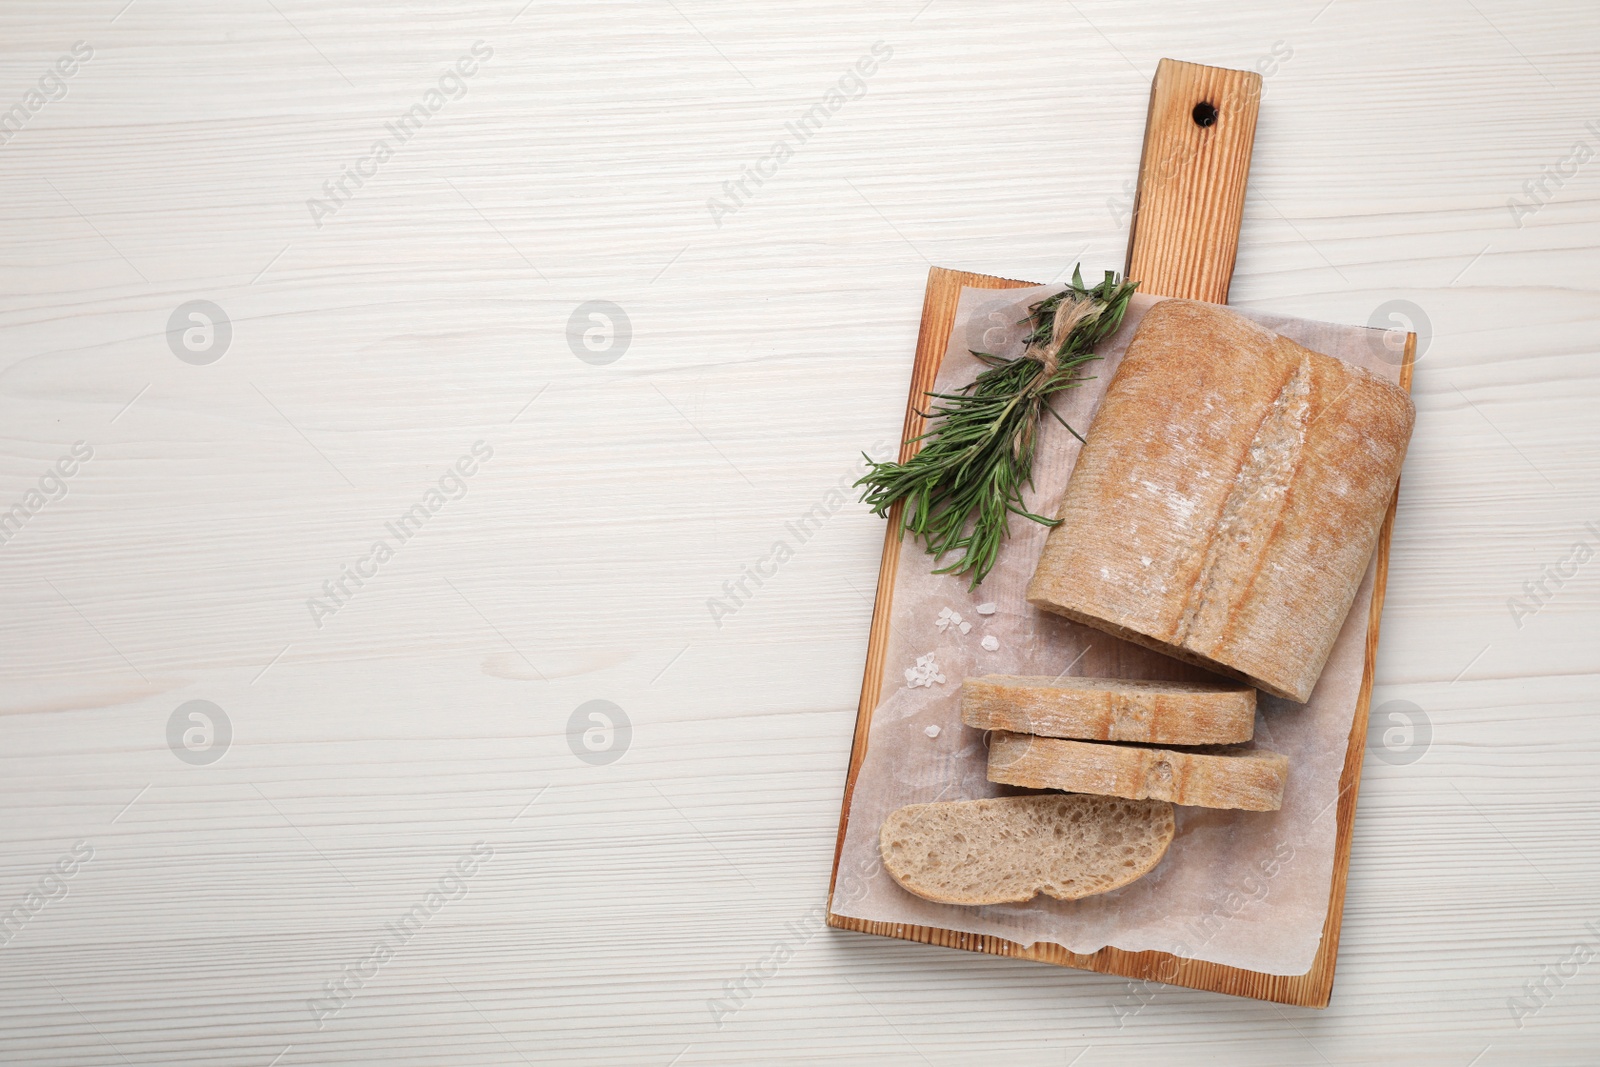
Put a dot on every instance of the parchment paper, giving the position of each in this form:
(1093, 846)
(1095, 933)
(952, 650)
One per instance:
(1247, 889)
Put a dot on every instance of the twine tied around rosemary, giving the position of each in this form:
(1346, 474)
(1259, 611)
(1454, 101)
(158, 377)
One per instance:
(1069, 313)
(961, 487)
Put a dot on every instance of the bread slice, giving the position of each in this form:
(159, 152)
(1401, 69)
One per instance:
(1227, 499)
(1010, 849)
(1111, 709)
(1236, 777)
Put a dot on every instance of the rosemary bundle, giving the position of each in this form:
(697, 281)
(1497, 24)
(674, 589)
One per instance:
(962, 486)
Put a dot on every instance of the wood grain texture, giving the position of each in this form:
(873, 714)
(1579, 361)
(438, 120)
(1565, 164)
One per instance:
(1190, 200)
(767, 352)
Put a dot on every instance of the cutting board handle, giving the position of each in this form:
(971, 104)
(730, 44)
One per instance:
(1189, 203)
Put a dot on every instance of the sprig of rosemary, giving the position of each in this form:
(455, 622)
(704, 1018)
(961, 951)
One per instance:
(962, 486)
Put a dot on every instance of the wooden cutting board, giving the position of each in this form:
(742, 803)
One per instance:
(1183, 242)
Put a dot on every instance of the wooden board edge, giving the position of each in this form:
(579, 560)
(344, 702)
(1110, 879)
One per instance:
(1322, 970)
(939, 301)
(1314, 988)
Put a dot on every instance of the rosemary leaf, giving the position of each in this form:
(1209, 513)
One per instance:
(961, 488)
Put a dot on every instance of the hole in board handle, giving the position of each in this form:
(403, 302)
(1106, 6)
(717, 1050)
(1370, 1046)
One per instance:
(1204, 114)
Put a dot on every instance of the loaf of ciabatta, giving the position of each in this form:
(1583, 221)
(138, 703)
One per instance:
(1228, 497)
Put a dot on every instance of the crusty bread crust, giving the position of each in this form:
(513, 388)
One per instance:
(1228, 498)
(1009, 849)
(1111, 709)
(1247, 778)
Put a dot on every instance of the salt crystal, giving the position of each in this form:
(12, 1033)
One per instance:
(966, 627)
(991, 643)
(955, 618)
(932, 731)
(924, 673)
(986, 609)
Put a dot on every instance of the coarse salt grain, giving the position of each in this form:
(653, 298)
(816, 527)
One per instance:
(991, 643)
(986, 609)
(966, 627)
(924, 673)
(932, 731)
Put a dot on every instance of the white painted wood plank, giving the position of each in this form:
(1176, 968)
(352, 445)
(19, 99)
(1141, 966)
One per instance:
(369, 754)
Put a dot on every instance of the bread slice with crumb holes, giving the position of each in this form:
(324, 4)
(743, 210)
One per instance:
(1220, 777)
(1010, 849)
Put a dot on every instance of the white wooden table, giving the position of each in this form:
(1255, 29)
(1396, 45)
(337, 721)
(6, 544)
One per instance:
(401, 835)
